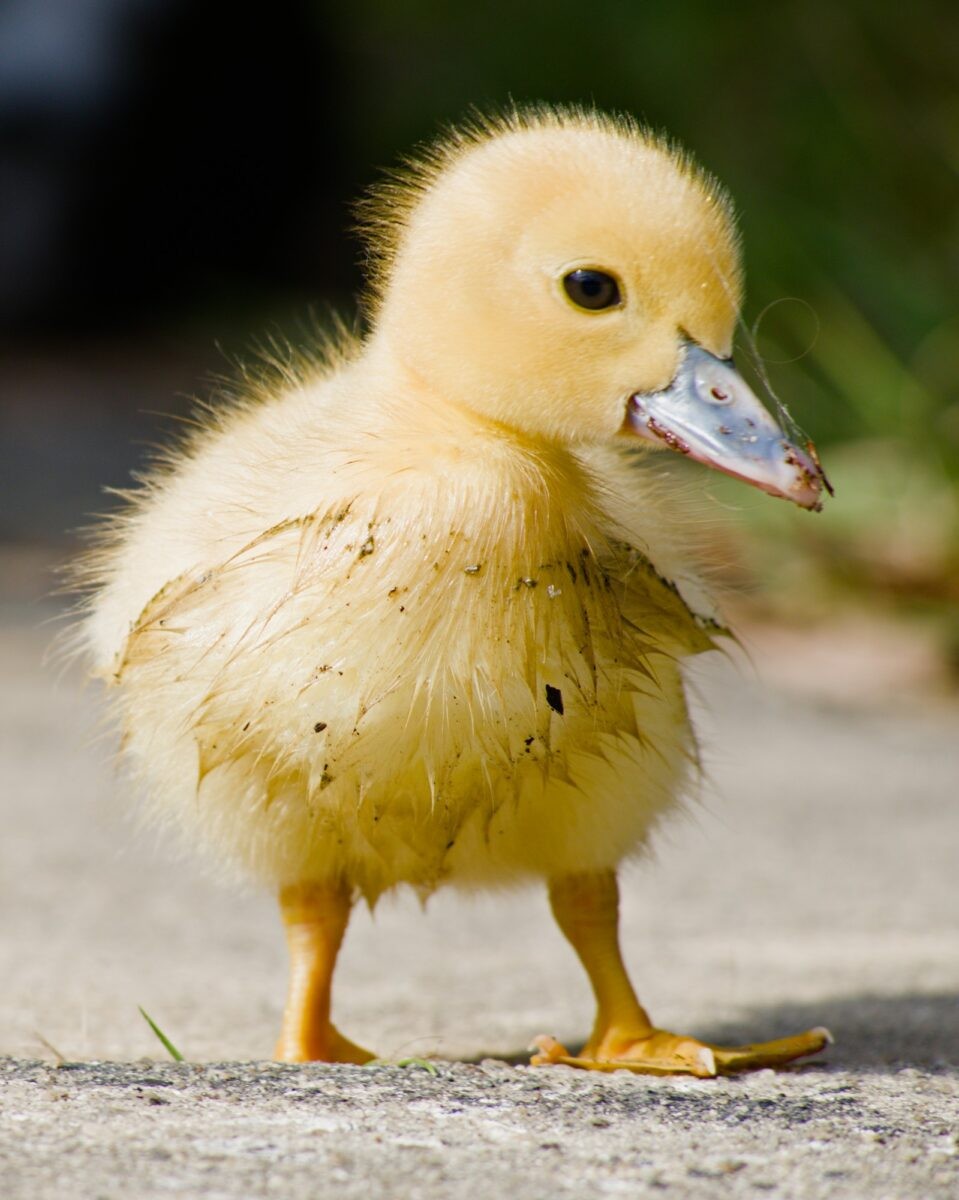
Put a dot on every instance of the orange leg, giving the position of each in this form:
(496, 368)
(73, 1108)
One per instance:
(315, 917)
(586, 908)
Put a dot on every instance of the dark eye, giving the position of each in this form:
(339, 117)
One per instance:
(591, 289)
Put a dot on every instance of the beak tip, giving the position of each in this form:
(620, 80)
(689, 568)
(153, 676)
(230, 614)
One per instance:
(810, 479)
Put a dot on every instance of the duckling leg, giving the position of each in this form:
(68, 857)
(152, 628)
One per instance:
(315, 917)
(586, 908)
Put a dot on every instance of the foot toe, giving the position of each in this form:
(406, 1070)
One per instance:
(731, 1059)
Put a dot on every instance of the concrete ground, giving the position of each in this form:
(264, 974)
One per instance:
(816, 883)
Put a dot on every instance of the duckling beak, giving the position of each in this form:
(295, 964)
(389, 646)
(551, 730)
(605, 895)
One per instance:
(710, 413)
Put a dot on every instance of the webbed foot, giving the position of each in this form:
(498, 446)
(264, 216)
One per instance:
(658, 1052)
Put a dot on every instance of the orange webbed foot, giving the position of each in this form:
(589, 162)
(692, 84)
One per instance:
(658, 1052)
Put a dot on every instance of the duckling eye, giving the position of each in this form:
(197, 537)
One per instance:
(591, 289)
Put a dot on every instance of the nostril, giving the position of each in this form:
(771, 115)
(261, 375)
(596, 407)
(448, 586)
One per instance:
(720, 396)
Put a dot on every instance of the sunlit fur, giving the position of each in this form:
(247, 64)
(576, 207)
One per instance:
(342, 619)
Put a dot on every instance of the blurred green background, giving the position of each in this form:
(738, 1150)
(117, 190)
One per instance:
(197, 186)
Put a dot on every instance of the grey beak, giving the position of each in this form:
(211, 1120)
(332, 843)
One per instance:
(710, 413)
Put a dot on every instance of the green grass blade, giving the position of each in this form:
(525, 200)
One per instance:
(173, 1052)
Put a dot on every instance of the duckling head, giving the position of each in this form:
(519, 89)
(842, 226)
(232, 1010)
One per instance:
(576, 279)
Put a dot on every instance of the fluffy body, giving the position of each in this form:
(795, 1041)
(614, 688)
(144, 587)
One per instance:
(415, 619)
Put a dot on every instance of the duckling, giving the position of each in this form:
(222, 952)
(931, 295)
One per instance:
(414, 616)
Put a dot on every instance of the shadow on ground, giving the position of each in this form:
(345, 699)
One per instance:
(872, 1032)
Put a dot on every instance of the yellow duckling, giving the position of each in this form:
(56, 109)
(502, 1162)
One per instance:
(414, 618)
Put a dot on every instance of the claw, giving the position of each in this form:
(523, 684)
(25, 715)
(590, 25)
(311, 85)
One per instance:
(549, 1050)
(706, 1059)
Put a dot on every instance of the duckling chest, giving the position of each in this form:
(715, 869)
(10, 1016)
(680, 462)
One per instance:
(357, 645)
(521, 647)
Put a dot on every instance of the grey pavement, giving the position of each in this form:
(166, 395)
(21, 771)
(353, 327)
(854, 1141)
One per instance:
(815, 881)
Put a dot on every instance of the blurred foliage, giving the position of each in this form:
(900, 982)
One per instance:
(836, 127)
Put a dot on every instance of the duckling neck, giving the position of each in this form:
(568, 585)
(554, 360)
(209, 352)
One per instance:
(466, 471)
(411, 410)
